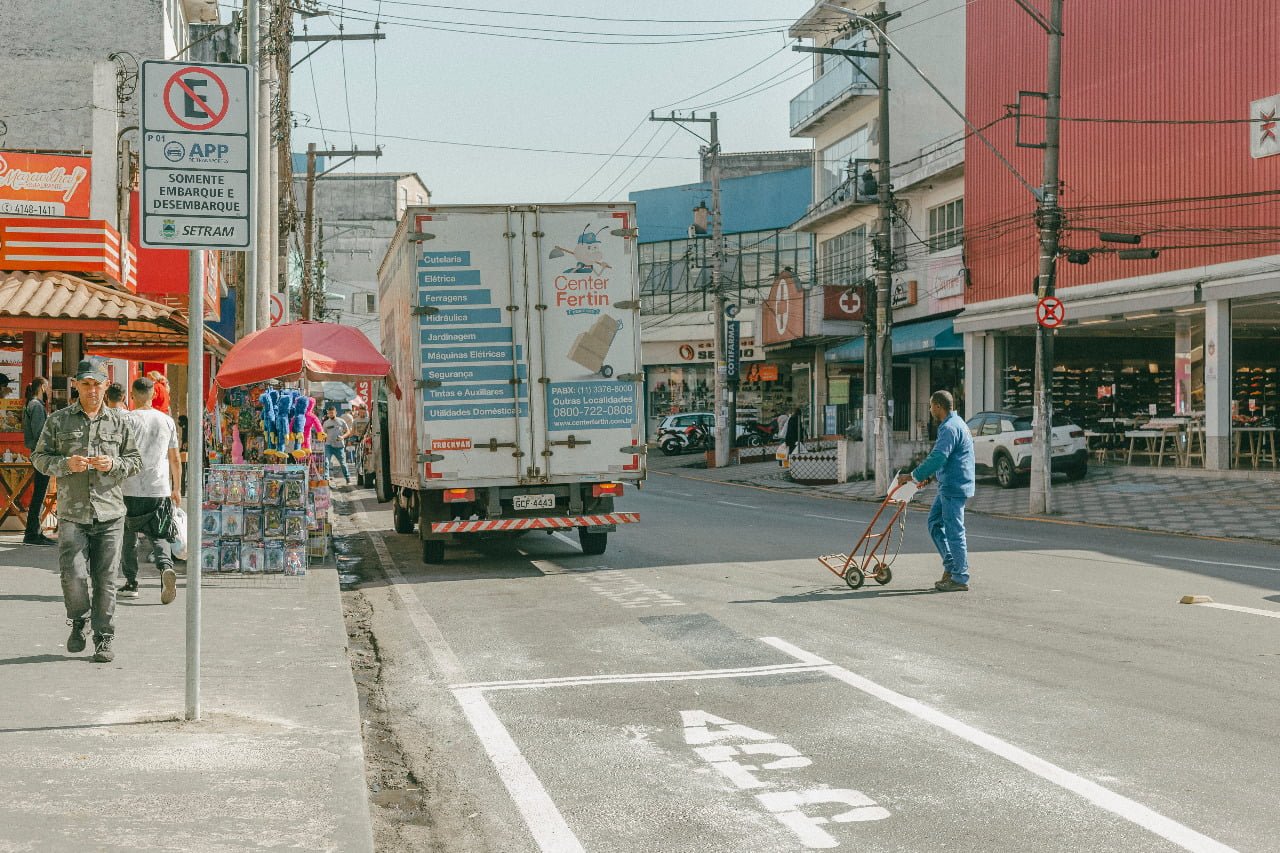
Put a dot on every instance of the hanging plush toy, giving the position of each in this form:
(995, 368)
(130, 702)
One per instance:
(267, 407)
(284, 412)
(311, 424)
(298, 422)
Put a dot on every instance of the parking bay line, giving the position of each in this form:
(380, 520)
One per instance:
(731, 503)
(1000, 538)
(1274, 614)
(1215, 563)
(1117, 804)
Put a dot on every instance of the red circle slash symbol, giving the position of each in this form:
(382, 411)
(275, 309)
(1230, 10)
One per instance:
(194, 97)
(1050, 312)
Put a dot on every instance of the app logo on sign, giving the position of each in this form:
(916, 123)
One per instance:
(175, 151)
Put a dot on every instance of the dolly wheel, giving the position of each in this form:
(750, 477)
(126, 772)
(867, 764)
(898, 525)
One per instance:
(606, 371)
(853, 577)
(883, 574)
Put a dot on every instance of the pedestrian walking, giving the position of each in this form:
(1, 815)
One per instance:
(335, 442)
(91, 450)
(115, 397)
(794, 433)
(34, 414)
(152, 490)
(160, 402)
(951, 461)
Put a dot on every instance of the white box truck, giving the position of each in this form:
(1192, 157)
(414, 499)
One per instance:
(514, 333)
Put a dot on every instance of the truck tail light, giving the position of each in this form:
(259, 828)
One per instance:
(602, 490)
(1018, 441)
(456, 495)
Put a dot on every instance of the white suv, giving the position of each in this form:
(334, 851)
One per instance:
(1002, 445)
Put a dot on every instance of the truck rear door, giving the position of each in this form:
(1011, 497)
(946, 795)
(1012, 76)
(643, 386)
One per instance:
(586, 350)
(473, 333)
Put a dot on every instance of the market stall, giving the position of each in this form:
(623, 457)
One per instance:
(266, 500)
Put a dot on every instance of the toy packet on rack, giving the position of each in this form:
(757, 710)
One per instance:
(273, 488)
(295, 560)
(252, 558)
(235, 488)
(209, 556)
(211, 522)
(273, 556)
(253, 524)
(229, 555)
(295, 527)
(233, 521)
(215, 487)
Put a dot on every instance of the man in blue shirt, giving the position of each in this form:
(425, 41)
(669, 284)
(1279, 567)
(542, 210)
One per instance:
(952, 462)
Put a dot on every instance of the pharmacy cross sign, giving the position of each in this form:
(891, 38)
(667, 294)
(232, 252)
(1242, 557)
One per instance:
(1050, 312)
(196, 98)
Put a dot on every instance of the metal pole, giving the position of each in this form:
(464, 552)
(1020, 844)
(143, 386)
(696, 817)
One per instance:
(265, 190)
(884, 275)
(195, 469)
(308, 232)
(723, 429)
(1050, 221)
(249, 295)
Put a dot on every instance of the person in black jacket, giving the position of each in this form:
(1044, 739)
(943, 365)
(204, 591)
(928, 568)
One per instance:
(795, 432)
(34, 414)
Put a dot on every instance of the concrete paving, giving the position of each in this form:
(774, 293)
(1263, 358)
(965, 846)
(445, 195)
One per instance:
(98, 756)
(1232, 504)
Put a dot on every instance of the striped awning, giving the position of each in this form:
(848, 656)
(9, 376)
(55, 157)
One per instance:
(61, 302)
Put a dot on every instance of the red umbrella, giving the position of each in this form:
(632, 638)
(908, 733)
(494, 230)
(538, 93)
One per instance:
(321, 352)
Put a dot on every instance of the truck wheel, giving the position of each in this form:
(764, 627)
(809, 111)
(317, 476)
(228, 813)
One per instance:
(593, 543)
(433, 551)
(401, 519)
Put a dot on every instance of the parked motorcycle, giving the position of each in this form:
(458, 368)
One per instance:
(756, 434)
(691, 438)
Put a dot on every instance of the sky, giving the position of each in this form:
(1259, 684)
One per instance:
(440, 75)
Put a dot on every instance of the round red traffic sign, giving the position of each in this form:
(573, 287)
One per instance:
(196, 98)
(1050, 312)
(277, 310)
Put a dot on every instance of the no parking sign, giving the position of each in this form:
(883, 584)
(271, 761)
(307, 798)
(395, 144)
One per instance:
(197, 191)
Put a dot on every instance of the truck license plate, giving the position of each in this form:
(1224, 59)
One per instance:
(534, 501)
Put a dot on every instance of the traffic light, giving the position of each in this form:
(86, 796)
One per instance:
(867, 184)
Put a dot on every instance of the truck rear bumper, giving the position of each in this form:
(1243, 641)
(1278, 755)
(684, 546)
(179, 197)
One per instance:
(554, 523)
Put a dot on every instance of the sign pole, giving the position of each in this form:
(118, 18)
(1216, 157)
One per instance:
(195, 475)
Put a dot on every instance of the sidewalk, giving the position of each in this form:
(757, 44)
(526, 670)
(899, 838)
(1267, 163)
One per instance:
(97, 756)
(1235, 505)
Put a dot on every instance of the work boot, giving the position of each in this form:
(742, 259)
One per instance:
(102, 652)
(948, 585)
(168, 585)
(38, 539)
(129, 590)
(75, 642)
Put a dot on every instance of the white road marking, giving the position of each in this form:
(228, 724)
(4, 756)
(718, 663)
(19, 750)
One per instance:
(540, 814)
(1117, 804)
(1216, 563)
(1274, 614)
(622, 589)
(731, 503)
(633, 677)
(832, 518)
(1000, 538)
(565, 539)
(544, 820)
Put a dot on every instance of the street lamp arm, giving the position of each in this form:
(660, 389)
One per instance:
(868, 22)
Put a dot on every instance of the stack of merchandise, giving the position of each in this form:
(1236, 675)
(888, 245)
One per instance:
(255, 519)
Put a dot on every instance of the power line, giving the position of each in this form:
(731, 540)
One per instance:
(591, 18)
(492, 146)
(608, 160)
(622, 174)
(346, 89)
(727, 80)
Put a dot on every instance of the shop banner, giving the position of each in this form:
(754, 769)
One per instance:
(44, 185)
(782, 316)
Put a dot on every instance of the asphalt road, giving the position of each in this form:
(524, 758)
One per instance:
(707, 686)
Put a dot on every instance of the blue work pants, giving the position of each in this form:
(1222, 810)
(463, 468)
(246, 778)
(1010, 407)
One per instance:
(946, 527)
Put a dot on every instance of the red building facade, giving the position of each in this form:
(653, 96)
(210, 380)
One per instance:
(1171, 132)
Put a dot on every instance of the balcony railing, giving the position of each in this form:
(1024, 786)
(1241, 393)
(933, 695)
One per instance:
(838, 83)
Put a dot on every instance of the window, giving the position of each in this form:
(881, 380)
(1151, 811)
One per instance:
(364, 303)
(946, 225)
(834, 159)
(844, 258)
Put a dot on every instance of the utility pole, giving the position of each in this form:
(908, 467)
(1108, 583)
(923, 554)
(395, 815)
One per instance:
(725, 431)
(1049, 221)
(877, 385)
(884, 270)
(308, 218)
(249, 294)
(286, 208)
(264, 254)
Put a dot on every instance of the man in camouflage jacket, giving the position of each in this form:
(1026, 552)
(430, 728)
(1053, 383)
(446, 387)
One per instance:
(90, 448)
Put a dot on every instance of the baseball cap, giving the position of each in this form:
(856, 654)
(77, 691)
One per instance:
(92, 368)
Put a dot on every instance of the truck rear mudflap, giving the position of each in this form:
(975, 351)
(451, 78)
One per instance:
(551, 523)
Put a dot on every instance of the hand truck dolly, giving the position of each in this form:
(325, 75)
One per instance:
(870, 557)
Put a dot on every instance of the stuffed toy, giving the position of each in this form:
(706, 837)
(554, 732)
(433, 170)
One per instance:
(298, 422)
(267, 404)
(311, 424)
(284, 412)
